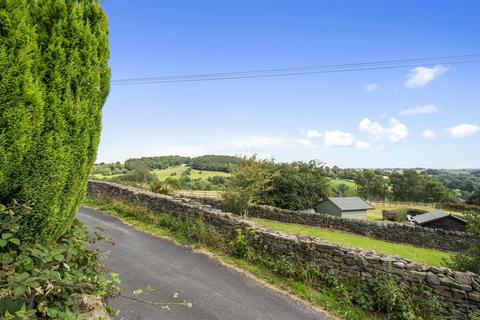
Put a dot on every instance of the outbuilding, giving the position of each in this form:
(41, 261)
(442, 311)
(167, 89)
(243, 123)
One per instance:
(441, 220)
(345, 207)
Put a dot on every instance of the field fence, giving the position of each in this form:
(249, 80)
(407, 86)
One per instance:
(200, 194)
(406, 204)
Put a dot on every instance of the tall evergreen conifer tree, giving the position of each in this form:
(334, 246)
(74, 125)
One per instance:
(54, 80)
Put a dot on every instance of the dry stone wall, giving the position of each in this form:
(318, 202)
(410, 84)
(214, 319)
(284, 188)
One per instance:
(388, 231)
(457, 292)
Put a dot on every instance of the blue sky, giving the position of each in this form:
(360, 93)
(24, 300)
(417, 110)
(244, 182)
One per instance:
(352, 119)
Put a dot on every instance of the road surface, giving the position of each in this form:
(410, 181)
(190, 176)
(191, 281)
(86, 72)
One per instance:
(215, 291)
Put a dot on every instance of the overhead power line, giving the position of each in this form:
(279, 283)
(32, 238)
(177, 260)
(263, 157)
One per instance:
(294, 71)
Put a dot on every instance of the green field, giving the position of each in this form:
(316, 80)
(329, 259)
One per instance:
(351, 186)
(423, 255)
(175, 172)
(195, 174)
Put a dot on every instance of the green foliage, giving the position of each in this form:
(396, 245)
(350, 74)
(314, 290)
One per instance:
(39, 281)
(140, 175)
(475, 198)
(400, 215)
(251, 179)
(240, 246)
(294, 186)
(162, 187)
(342, 187)
(413, 186)
(389, 296)
(461, 207)
(152, 163)
(297, 186)
(55, 80)
(466, 181)
(217, 180)
(188, 231)
(215, 162)
(371, 185)
(469, 259)
(107, 169)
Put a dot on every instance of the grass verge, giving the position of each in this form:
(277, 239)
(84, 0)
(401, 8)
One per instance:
(423, 255)
(324, 298)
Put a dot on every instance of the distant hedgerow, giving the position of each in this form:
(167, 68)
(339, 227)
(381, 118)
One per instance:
(54, 80)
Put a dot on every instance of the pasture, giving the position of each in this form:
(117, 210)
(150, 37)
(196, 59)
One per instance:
(351, 187)
(423, 255)
(194, 174)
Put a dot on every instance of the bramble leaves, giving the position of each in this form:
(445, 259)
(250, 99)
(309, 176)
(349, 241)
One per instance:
(47, 280)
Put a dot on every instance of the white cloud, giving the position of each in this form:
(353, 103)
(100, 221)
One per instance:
(305, 142)
(313, 134)
(396, 132)
(425, 109)
(338, 138)
(429, 134)
(372, 87)
(420, 76)
(362, 145)
(373, 128)
(463, 130)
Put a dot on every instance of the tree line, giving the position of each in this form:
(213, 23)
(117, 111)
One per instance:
(219, 163)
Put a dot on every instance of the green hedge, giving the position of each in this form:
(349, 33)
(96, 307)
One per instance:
(400, 215)
(54, 81)
(462, 207)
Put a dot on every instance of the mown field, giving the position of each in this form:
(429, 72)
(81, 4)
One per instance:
(423, 255)
(195, 174)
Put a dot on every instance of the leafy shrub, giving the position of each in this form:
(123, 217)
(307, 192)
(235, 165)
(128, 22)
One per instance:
(297, 186)
(239, 246)
(162, 187)
(55, 80)
(236, 202)
(140, 175)
(47, 280)
(474, 199)
(469, 259)
(249, 181)
(415, 212)
(400, 215)
(217, 180)
(462, 207)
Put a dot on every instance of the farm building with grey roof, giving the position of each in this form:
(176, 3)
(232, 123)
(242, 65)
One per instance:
(440, 220)
(344, 207)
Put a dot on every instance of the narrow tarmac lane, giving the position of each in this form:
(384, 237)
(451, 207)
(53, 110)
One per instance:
(215, 291)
